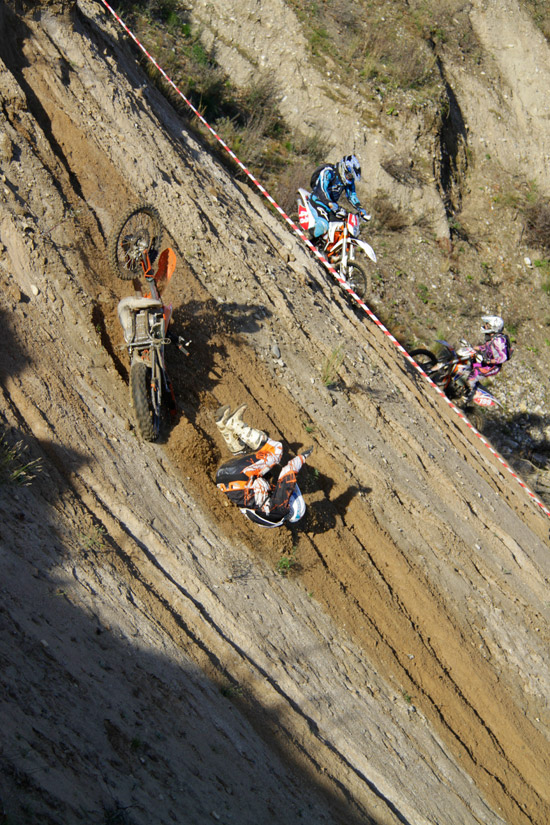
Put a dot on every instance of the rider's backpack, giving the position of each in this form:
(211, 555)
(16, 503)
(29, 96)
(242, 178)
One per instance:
(316, 172)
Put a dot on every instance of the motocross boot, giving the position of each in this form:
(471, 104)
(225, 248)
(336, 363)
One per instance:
(250, 436)
(469, 397)
(222, 415)
(468, 387)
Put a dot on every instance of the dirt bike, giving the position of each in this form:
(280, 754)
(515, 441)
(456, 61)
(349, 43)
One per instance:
(144, 318)
(340, 244)
(449, 370)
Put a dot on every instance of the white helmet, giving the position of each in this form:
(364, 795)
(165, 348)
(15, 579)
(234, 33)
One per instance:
(492, 324)
(297, 506)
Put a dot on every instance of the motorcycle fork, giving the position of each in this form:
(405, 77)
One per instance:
(345, 256)
(156, 384)
(164, 384)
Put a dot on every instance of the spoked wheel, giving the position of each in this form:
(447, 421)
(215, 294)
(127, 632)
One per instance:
(137, 232)
(359, 279)
(424, 358)
(147, 422)
(476, 417)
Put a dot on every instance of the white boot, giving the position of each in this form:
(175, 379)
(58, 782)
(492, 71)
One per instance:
(250, 436)
(222, 416)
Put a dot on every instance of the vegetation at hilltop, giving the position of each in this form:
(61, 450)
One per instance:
(248, 119)
(387, 51)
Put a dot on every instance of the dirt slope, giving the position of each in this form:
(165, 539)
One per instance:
(155, 665)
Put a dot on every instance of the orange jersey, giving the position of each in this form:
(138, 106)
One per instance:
(246, 487)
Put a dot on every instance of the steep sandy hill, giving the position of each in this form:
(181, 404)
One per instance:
(156, 665)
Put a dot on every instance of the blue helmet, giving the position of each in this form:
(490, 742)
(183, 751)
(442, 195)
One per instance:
(349, 169)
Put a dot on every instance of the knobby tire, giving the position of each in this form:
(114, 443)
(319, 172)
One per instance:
(140, 393)
(424, 358)
(476, 417)
(139, 229)
(359, 279)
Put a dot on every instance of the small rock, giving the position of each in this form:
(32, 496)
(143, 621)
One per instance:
(276, 351)
(13, 292)
(34, 289)
(6, 148)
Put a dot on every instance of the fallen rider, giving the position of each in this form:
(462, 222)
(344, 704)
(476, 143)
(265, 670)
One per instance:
(269, 503)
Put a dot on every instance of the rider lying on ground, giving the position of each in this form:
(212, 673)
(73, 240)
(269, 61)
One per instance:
(243, 478)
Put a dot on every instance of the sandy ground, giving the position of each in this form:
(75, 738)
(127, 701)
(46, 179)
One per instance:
(156, 665)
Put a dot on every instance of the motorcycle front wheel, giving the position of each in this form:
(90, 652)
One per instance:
(358, 279)
(139, 231)
(424, 358)
(147, 422)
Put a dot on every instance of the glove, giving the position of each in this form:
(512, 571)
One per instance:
(340, 214)
(261, 491)
(364, 214)
(307, 452)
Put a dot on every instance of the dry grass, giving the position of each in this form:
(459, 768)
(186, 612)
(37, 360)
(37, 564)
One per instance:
(15, 467)
(403, 171)
(537, 224)
(386, 214)
(540, 12)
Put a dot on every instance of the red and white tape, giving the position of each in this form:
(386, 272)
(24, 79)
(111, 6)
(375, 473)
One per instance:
(297, 230)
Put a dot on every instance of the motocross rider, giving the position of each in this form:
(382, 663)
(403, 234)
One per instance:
(491, 355)
(243, 478)
(332, 180)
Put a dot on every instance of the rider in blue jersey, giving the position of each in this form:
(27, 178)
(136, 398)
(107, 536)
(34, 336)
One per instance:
(332, 181)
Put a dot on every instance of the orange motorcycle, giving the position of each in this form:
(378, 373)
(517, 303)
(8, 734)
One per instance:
(450, 368)
(133, 247)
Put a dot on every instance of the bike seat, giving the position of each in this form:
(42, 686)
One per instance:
(134, 304)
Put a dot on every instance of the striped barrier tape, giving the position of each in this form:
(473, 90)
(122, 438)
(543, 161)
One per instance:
(341, 280)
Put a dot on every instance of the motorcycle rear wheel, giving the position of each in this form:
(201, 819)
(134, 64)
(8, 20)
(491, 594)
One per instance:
(137, 232)
(476, 417)
(147, 423)
(359, 279)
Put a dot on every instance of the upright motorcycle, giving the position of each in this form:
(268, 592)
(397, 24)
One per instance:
(340, 245)
(450, 368)
(144, 318)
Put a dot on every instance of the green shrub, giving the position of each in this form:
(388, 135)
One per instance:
(287, 562)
